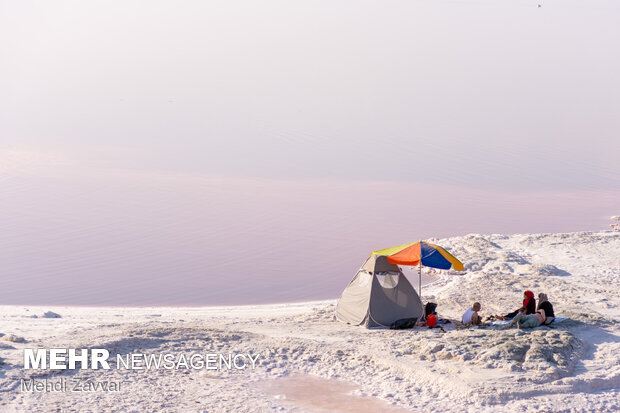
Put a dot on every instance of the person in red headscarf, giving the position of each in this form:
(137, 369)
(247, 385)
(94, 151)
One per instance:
(529, 303)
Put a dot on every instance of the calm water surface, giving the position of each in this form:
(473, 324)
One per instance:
(142, 239)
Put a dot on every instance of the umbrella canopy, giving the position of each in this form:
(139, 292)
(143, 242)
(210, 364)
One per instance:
(421, 253)
(416, 253)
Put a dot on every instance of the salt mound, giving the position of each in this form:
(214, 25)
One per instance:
(548, 270)
(51, 314)
(549, 354)
(13, 338)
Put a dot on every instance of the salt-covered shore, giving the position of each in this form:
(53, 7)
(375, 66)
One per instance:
(310, 362)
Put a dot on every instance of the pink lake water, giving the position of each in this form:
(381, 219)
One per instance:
(243, 152)
(127, 238)
(317, 395)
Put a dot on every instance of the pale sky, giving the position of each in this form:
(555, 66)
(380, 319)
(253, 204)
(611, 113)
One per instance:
(179, 141)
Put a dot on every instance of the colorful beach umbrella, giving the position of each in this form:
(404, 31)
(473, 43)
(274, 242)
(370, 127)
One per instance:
(416, 253)
(421, 253)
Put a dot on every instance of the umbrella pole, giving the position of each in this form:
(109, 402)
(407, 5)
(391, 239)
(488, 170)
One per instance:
(420, 280)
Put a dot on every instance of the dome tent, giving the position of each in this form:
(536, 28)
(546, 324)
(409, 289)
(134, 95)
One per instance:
(378, 295)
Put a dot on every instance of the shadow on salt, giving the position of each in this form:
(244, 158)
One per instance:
(314, 394)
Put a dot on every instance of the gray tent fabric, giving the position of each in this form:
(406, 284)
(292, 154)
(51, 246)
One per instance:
(378, 295)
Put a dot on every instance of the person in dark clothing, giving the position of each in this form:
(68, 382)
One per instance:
(529, 303)
(545, 309)
(430, 308)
